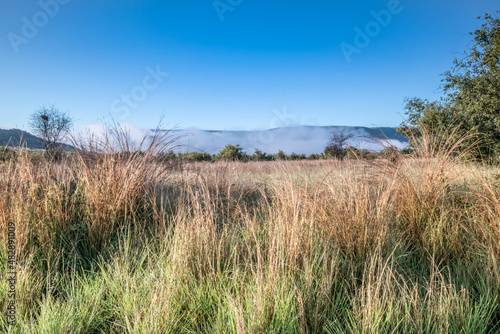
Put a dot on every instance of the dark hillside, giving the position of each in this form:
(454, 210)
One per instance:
(16, 137)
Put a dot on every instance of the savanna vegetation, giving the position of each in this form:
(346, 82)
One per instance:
(116, 242)
(235, 153)
(115, 239)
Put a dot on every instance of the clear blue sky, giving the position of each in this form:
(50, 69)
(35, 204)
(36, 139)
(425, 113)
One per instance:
(250, 64)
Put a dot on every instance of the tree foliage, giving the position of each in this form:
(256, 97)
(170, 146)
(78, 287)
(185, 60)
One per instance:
(197, 156)
(258, 155)
(472, 93)
(231, 153)
(423, 113)
(281, 155)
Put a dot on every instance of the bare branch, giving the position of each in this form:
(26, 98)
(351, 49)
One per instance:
(51, 125)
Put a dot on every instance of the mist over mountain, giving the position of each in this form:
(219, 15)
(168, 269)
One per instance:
(300, 140)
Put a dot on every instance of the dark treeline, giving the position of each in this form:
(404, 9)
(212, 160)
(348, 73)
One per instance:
(236, 153)
(233, 153)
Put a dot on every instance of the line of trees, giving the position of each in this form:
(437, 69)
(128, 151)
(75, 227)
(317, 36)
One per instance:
(7, 154)
(236, 153)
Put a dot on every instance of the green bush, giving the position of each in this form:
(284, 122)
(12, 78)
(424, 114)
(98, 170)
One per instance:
(295, 156)
(258, 155)
(231, 153)
(6, 153)
(197, 156)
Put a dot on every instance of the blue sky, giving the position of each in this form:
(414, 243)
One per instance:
(228, 64)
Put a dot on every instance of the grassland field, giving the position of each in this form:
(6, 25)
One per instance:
(121, 243)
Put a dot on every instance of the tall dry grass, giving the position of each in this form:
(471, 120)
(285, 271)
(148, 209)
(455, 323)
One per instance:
(109, 240)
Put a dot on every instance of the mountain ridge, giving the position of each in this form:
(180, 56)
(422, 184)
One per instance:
(20, 138)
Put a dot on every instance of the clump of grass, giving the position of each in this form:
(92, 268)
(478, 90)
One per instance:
(118, 177)
(427, 191)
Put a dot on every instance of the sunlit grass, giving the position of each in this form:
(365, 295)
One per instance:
(119, 243)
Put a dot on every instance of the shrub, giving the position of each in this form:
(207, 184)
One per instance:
(258, 155)
(6, 153)
(231, 153)
(197, 156)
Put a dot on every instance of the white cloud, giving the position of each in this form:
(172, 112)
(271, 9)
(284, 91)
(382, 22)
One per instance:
(301, 140)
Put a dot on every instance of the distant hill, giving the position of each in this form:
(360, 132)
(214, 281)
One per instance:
(300, 139)
(16, 138)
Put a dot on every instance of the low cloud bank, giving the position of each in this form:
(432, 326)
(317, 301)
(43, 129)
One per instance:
(300, 140)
